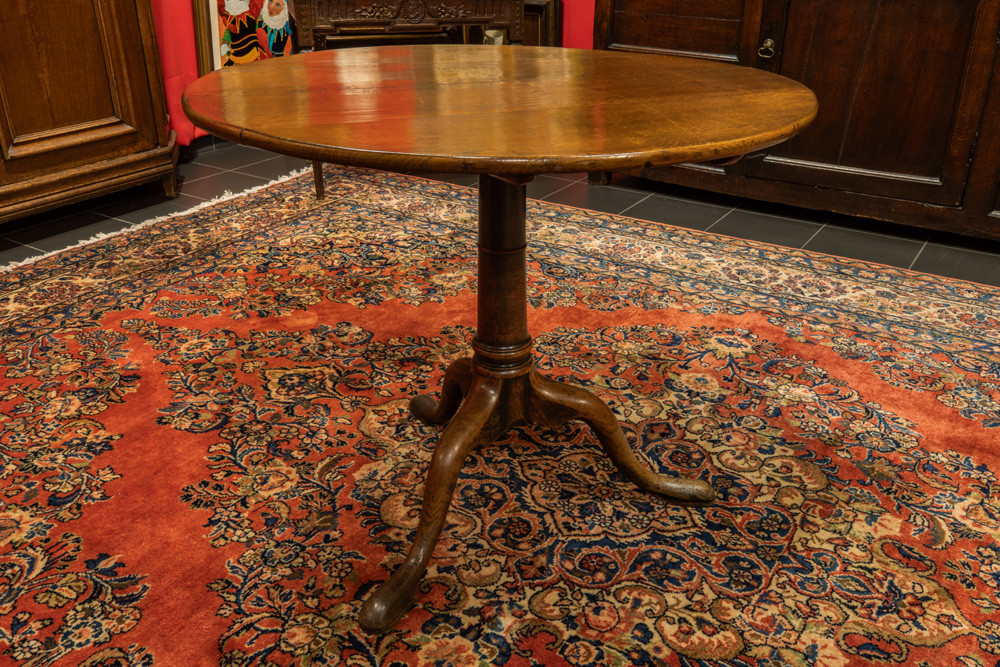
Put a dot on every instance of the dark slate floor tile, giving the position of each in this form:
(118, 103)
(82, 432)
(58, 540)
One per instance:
(67, 232)
(866, 246)
(962, 263)
(630, 184)
(12, 226)
(636, 183)
(787, 232)
(782, 211)
(681, 192)
(544, 186)
(571, 176)
(275, 167)
(70, 210)
(192, 171)
(880, 227)
(679, 212)
(149, 207)
(596, 197)
(217, 185)
(991, 246)
(38, 227)
(11, 252)
(232, 156)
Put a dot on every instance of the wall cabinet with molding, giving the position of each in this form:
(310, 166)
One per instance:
(82, 111)
(908, 129)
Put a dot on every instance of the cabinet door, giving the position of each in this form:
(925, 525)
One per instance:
(715, 29)
(74, 88)
(901, 88)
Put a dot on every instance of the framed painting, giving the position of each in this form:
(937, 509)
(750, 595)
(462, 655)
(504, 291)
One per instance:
(231, 32)
(206, 30)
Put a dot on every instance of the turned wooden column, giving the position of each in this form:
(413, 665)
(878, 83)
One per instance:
(502, 344)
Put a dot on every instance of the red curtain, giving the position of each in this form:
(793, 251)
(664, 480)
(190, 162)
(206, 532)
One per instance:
(175, 33)
(578, 24)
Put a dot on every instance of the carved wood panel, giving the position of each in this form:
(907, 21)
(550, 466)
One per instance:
(317, 18)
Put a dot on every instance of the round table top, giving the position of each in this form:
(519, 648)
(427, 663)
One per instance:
(500, 110)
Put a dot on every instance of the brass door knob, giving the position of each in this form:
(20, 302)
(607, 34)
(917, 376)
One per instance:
(766, 49)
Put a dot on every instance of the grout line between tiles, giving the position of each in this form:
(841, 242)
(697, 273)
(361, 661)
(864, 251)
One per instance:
(561, 177)
(720, 218)
(127, 222)
(273, 156)
(963, 248)
(250, 164)
(568, 184)
(200, 178)
(775, 215)
(897, 237)
(243, 173)
(822, 227)
(628, 208)
(917, 256)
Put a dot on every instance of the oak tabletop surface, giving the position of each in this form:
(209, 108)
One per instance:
(500, 110)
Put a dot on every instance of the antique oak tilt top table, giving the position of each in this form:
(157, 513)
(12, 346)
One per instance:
(507, 114)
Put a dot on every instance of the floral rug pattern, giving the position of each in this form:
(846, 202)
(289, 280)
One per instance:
(206, 455)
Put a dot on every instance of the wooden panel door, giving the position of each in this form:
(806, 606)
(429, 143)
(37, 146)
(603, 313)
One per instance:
(901, 89)
(982, 195)
(74, 87)
(714, 29)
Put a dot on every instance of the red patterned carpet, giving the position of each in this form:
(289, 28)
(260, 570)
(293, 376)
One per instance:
(207, 458)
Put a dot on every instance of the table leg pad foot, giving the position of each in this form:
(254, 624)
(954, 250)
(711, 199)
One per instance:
(557, 400)
(390, 601)
(476, 422)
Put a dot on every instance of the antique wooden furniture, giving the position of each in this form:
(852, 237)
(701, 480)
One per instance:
(82, 99)
(323, 24)
(908, 129)
(542, 23)
(506, 114)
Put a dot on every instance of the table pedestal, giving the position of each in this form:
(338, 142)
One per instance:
(497, 388)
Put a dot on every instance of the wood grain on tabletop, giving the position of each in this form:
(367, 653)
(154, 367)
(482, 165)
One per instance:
(502, 110)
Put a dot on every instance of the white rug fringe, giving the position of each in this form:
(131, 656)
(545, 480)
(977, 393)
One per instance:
(227, 195)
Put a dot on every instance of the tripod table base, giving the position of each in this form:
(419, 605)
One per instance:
(481, 405)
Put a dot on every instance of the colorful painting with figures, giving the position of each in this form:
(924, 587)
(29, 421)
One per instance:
(252, 30)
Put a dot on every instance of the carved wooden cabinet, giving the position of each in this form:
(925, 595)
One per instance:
(323, 23)
(904, 131)
(82, 102)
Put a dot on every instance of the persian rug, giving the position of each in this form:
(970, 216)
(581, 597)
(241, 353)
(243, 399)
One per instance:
(207, 457)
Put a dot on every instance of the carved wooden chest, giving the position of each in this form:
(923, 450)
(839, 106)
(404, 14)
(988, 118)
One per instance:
(322, 22)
